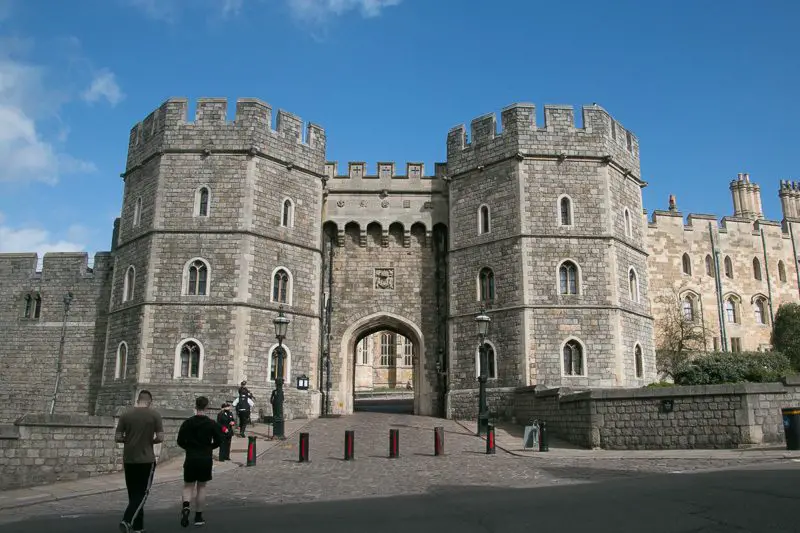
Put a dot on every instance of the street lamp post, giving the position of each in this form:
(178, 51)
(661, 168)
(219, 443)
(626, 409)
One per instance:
(482, 320)
(60, 364)
(281, 325)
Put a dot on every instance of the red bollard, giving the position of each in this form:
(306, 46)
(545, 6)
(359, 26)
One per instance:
(394, 443)
(251, 451)
(438, 440)
(349, 445)
(490, 445)
(303, 447)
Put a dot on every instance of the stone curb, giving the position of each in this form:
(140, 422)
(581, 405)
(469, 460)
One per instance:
(46, 498)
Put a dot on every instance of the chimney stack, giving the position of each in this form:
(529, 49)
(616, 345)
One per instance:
(746, 198)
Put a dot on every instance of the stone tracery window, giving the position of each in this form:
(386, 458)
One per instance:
(568, 278)
(388, 349)
(486, 285)
(731, 310)
(197, 282)
(688, 308)
(282, 286)
(189, 360)
(573, 358)
(760, 311)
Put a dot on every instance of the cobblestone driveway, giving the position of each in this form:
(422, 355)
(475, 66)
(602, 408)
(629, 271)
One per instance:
(279, 478)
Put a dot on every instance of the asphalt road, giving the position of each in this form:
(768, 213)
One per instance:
(757, 499)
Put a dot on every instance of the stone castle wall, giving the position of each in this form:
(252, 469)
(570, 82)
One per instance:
(40, 449)
(711, 416)
(29, 345)
(738, 239)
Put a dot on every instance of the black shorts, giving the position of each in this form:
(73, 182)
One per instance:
(197, 469)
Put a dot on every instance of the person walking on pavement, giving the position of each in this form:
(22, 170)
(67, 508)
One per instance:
(139, 429)
(226, 422)
(198, 435)
(244, 390)
(243, 404)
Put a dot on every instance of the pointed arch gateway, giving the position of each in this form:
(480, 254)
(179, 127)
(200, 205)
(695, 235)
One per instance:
(373, 323)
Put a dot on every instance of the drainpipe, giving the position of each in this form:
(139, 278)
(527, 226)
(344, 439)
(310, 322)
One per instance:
(769, 283)
(60, 364)
(703, 324)
(718, 281)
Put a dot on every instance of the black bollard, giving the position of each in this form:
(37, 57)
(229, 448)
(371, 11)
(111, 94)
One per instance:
(349, 445)
(303, 447)
(438, 440)
(251, 451)
(543, 437)
(394, 443)
(490, 444)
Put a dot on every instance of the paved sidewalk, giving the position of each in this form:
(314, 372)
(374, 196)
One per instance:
(167, 472)
(508, 437)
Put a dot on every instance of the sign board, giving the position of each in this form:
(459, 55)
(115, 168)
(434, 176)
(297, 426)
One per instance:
(530, 441)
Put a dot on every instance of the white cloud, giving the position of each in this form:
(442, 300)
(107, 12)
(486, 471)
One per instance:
(104, 85)
(26, 154)
(26, 240)
(320, 10)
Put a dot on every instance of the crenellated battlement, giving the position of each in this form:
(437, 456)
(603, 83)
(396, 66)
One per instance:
(168, 128)
(673, 221)
(385, 177)
(55, 265)
(599, 136)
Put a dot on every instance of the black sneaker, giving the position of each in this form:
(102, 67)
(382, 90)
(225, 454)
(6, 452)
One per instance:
(124, 527)
(185, 517)
(199, 521)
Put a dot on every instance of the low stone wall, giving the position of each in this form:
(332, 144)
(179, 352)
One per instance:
(711, 416)
(462, 404)
(39, 449)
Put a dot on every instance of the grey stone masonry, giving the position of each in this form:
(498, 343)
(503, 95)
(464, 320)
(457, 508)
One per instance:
(708, 416)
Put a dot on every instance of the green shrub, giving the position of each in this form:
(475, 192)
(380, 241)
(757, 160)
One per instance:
(723, 367)
(786, 332)
(659, 384)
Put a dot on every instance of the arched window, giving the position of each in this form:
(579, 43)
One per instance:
(388, 349)
(628, 225)
(197, 281)
(121, 368)
(687, 265)
(274, 354)
(781, 272)
(491, 360)
(287, 214)
(709, 266)
(728, 267)
(202, 202)
(568, 278)
(731, 311)
(128, 284)
(189, 359)
(573, 358)
(760, 310)
(637, 361)
(484, 222)
(408, 352)
(28, 306)
(688, 308)
(137, 212)
(486, 285)
(756, 268)
(37, 306)
(565, 211)
(633, 285)
(282, 286)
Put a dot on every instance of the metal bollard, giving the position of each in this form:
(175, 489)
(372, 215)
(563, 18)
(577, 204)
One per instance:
(394, 443)
(490, 444)
(349, 445)
(438, 440)
(303, 447)
(543, 437)
(251, 451)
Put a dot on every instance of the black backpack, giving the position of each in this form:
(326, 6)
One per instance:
(244, 404)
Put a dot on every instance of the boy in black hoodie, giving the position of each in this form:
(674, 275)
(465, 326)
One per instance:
(199, 435)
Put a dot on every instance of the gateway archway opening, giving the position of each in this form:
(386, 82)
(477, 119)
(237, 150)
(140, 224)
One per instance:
(383, 379)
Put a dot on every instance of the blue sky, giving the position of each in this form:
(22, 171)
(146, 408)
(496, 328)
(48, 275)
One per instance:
(708, 87)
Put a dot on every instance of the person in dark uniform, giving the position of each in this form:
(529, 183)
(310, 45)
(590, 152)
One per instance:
(226, 422)
(198, 435)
